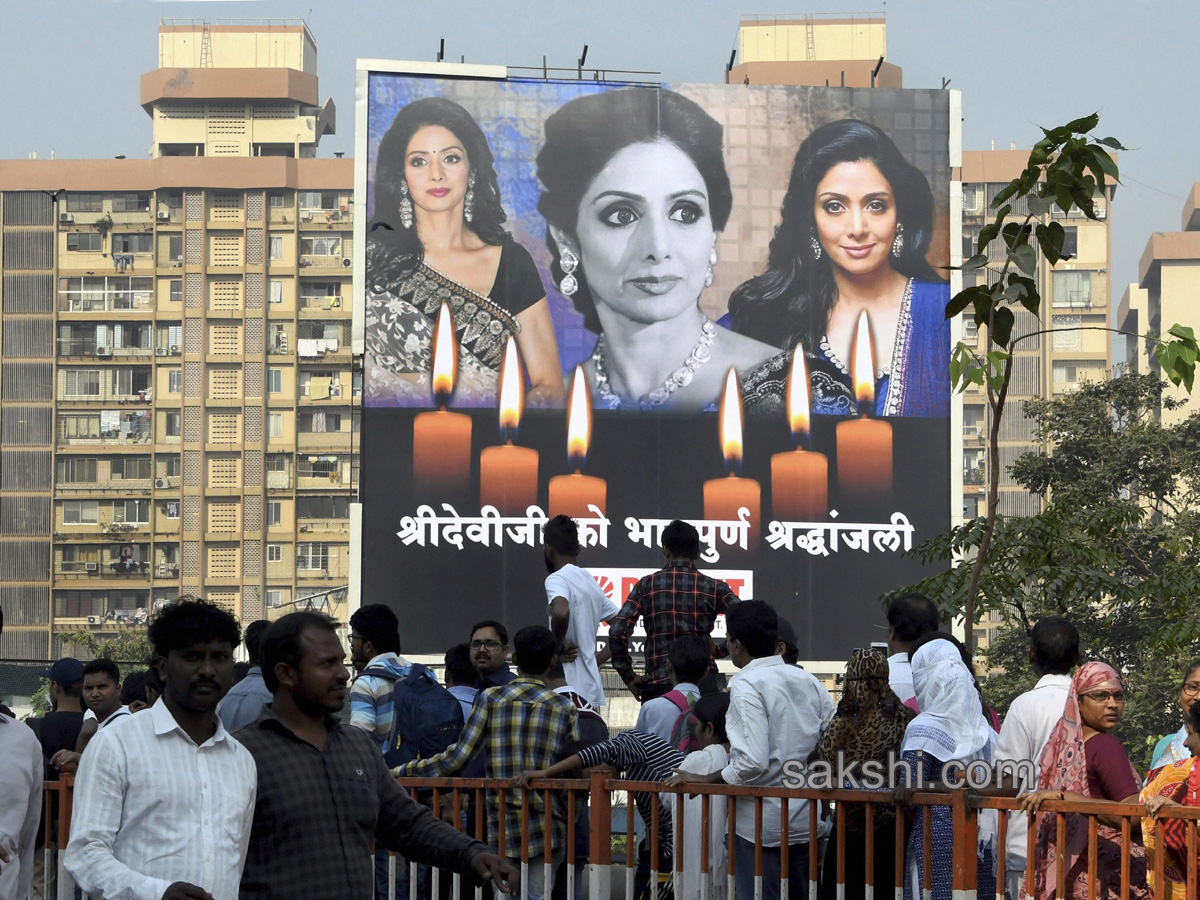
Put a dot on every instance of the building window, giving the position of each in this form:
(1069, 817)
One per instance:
(1072, 289)
(80, 512)
(132, 243)
(170, 509)
(175, 247)
(312, 556)
(275, 289)
(275, 247)
(174, 381)
(1070, 241)
(274, 553)
(318, 200)
(171, 424)
(172, 466)
(174, 335)
(972, 198)
(275, 381)
(176, 290)
(276, 200)
(81, 383)
(322, 507)
(84, 203)
(76, 470)
(274, 598)
(131, 203)
(131, 467)
(275, 425)
(1066, 334)
(320, 246)
(319, 422)
(274, 513)
(89, 242)
(131, 512)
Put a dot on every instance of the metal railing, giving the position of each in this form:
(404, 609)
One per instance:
(957, 874)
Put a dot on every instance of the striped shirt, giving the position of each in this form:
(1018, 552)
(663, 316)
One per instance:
(521, 725)
(642, 757)
(138, 827)
(372, 698)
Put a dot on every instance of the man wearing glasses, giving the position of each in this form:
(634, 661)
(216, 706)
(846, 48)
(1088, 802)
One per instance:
(489, 654)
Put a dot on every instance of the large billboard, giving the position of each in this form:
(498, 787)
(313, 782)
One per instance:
(631, 304)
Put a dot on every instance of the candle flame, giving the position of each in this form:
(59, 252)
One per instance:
(445, 356)
(731, 421)
(862, 364)
(579, 419)
(512, 389)
(799, 403)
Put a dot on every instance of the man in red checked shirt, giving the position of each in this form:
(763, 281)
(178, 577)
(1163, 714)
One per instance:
(675, 601)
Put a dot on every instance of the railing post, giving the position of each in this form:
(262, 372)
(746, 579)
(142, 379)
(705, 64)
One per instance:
(966, 845)
(600, 837)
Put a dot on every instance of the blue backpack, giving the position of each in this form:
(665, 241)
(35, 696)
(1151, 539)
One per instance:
(428, 718)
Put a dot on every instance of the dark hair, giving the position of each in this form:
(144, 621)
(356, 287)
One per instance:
(241, 669)
(1194, 716)
(1055, 644)
(379, 625)
(253, 637)
(492, 623)
(911, 616)
(963, 654)
(756, 624)
(790, 301)
(133, 689)
(186, 623)
(681, 540)
(1192, 667)
(104, 667)
(458, 665)
(154, 682)
(690, 655)
(561, 535)
(710, 710)
(534, 647)
(390, 162)
(281, 643)
(584, 134)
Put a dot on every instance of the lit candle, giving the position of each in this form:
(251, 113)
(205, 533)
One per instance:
(508, 474)
(724, 497)
(441, 439)
(864, 445)
(571, 495)
(799, 478)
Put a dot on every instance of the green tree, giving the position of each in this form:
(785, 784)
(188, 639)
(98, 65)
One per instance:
(1116, 549)
(1067, 168)
(132, 647)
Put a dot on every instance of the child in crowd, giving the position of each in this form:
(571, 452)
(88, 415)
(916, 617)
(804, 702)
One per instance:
(712, 756)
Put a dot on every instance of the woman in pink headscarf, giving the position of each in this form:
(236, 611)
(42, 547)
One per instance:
(1084, 761)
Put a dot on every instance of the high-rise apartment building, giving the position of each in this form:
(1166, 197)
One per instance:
(178, 404)
(1165, 294)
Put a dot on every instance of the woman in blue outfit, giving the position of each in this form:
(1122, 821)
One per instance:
(855, 227)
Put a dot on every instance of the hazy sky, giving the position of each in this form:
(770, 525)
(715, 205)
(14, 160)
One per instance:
(70, 69)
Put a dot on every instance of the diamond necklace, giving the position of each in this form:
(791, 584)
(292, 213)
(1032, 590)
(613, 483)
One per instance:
(681, 377)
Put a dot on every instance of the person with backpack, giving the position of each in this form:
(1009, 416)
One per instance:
(375, 654)
(711, 755)
(688, 660)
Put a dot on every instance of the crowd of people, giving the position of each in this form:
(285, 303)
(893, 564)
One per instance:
(276, 787)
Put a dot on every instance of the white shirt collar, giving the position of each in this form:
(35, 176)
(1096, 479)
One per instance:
(1052, 680)
(165, 723)
(762, 661)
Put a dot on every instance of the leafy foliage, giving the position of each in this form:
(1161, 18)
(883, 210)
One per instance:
(131, 646)
(1116, 550)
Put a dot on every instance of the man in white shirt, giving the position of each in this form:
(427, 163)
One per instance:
(776, 713)
(688, 660)
(577, 606)
(101, 696)
(1053, 652)
(176, 829)
(910, 616)
(20, 803)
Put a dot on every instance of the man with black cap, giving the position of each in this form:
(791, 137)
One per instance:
(787, 647)
(60, 727)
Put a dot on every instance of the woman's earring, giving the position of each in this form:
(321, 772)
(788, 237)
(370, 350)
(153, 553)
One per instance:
(712, 261)
(816, 247)
(406, 217)
(898, 243)
(567, 261)
(469, 200)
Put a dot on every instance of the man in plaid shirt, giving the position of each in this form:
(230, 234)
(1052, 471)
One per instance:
(521, 725)
(674, 601)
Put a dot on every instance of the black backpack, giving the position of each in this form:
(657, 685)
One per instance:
(427, 720)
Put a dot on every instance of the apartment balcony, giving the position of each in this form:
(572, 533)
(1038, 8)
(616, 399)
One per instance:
(92, 571)
(973, 476)
(325, 442)
(326, 219)
(114, 442)
(103, 486)
(322, 307)
(279, 481)
(322, 264)
(973, 434)
(105, 301)
(88, 350)
(322, 526)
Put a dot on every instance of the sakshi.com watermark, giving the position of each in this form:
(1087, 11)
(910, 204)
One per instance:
(877, 774)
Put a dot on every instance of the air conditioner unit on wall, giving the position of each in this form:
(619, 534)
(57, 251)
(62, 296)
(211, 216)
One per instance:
(160, 482)
(164, 216)
(66, 218)
(91, 567)
(104, 351)
(347, 262)
(160, 351)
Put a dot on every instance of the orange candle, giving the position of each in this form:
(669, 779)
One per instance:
(799, 478)
(508, 474)
(441, 439)
(571, 495)
(864, 445)
(725, 497)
